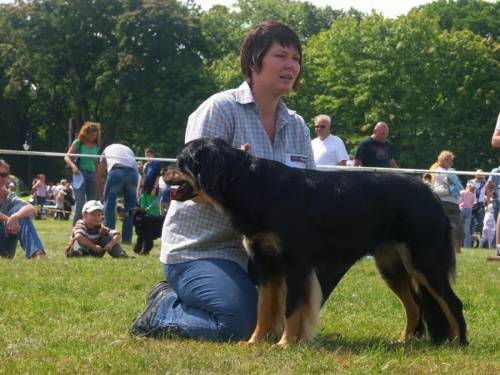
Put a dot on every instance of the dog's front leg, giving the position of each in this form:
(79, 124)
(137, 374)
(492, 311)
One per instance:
(270, 310)
(138, 244)
(148, 245)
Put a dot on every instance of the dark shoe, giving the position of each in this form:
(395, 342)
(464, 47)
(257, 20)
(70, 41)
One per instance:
(160, 287)
(125, 255)
(39, 254)
(141, 326)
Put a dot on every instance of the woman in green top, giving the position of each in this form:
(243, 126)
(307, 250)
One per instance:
(88, 143)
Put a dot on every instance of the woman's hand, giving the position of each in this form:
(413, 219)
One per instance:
(12, 226)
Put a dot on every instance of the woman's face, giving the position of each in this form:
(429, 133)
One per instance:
(280, 68)
(4, 177)
(92, 136)
(446, 163)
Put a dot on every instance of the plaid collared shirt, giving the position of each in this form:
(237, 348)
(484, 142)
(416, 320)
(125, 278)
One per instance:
(196, 231)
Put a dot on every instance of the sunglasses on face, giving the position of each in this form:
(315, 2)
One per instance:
(320, 126)
(4, 175)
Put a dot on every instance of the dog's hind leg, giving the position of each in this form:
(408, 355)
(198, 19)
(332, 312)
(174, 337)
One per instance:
(442, 310)
(399, 281)
(270, 309)
(302, 310)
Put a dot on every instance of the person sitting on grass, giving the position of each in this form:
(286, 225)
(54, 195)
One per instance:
(91, 238)
(15, 222)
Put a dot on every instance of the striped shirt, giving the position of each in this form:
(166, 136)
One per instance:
(195, 231)
(11, 200)
(92, 234)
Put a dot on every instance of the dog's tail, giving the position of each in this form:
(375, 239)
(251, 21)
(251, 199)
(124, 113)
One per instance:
(440, 309)
(432, 317)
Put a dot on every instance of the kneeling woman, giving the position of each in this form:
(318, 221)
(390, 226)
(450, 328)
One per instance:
(15, 222)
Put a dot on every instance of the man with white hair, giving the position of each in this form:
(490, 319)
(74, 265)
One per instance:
(327, 148)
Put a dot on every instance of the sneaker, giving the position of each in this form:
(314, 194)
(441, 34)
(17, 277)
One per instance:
(493, 258)
(141, 326)
(126, 256)
(161, 286)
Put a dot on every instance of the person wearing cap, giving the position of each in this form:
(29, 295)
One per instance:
(90, 238)
(12, 187)
(15, 222)
(328, 149)
(478, 210)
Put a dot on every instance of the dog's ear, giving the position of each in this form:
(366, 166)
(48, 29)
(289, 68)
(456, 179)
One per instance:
(214, 162)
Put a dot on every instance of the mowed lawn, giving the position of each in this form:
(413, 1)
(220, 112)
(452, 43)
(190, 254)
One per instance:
(60, 316)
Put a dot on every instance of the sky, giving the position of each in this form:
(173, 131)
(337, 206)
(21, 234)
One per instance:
(389, 8)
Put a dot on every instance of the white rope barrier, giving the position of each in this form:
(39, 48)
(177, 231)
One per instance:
(61, 154)
(320, 167)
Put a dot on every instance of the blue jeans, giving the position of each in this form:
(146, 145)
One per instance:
(86, 192)
(214, 299)
(126, 180)
(466, 217)
(496, 206)
(28, 237)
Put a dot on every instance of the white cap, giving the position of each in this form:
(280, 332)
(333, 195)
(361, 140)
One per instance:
(91, 206)
(12, 184)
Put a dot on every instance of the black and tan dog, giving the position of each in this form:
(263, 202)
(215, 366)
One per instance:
(147, 227)
(295, 220)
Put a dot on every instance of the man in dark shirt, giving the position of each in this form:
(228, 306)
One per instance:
(376, 151)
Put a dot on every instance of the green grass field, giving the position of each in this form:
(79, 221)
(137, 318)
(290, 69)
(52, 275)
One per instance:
(60, 316)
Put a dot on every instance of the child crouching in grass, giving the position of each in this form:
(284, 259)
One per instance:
(91, 238)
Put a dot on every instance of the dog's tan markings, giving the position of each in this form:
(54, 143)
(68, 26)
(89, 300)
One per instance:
(270, 310)
(265, 239)
(385, 260)
(412, 311)
(452, 321)
(301, 326)
(454, 327)
(177, 176)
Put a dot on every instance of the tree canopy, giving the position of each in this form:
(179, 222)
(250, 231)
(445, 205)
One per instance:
(140, 67)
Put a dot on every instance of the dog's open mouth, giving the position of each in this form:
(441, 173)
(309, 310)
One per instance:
(181, 191)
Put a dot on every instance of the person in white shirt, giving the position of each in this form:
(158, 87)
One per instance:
(327, 148)
(119, 161)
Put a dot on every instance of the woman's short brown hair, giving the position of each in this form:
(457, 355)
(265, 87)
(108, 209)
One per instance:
(258, 41)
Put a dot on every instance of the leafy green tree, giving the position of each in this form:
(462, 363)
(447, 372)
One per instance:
(225, 30)
(134, 66)
(480, 17)
(435, 89)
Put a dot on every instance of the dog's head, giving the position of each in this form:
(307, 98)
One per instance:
(137, 215)
(204, 167)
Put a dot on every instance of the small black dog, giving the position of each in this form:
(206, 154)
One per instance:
(147, 227)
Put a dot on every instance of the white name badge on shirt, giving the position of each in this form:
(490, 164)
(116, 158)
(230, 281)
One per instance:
(296, 161)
